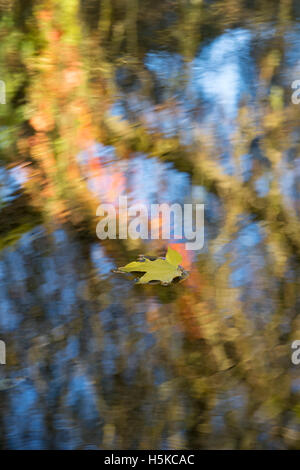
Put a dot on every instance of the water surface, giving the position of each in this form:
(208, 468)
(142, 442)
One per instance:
(176, 102)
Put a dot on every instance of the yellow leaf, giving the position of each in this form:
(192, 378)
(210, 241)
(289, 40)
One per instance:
(160, 269)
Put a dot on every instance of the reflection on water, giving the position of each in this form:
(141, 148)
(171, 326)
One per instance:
(175, 102)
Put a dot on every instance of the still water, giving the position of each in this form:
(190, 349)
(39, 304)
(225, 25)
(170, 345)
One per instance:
(164, 102)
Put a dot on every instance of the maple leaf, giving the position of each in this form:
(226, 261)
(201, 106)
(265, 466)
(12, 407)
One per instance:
(163, 270)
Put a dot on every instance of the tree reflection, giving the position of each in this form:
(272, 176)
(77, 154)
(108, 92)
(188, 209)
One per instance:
(102, 98)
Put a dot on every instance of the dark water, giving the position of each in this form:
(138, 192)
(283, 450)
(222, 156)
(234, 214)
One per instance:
(176, 102)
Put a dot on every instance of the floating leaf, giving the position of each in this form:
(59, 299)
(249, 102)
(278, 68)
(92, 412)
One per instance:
(163, 270)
